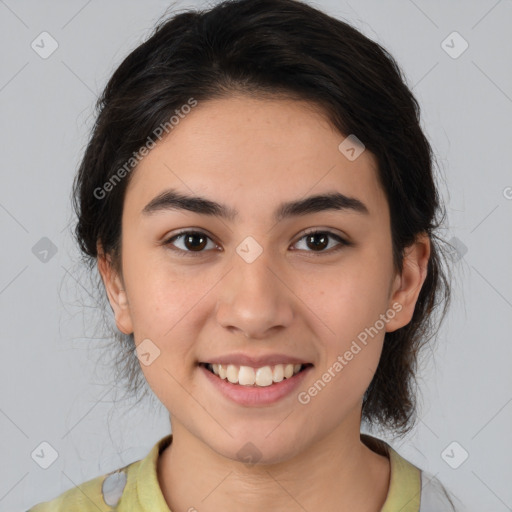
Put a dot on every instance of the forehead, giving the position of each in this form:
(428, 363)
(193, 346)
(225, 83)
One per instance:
(245, 151)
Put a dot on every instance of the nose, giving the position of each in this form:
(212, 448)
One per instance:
(255, 299)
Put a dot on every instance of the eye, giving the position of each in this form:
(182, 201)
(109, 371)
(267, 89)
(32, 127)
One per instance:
(194, 242)
(320, 240)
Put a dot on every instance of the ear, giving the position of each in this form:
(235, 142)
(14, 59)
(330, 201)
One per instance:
(407, 285)
(115, 291)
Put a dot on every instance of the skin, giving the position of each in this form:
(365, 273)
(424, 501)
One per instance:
(293, 299)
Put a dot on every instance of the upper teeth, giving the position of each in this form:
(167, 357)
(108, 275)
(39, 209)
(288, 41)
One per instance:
(248, 376)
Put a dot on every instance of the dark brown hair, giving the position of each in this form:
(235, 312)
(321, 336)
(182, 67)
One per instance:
(286, 48)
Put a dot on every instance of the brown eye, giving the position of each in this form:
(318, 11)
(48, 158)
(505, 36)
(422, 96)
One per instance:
(317, 241)
(191, 242)
(194, 241)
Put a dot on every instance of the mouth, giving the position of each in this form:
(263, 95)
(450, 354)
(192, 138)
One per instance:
(255, 377)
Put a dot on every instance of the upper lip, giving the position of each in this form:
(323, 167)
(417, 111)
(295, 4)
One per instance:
(255, 362)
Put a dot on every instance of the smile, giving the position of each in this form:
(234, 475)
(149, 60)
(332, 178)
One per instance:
(248, 376)
(254, 395)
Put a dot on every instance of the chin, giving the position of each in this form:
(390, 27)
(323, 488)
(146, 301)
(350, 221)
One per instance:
(258, 449)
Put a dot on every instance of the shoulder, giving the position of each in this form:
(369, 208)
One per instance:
(434, 496)
(125, 489)
(410, 488)
(99, 494)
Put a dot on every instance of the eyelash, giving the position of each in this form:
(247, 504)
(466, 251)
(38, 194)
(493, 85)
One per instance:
(182, 252)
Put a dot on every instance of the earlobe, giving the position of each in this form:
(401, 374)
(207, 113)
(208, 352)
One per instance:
(115, 292)
(407, 285)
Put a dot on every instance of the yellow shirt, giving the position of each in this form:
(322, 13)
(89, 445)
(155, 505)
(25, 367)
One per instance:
(135, 487)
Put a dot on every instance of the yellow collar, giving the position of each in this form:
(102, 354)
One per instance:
(403, 494)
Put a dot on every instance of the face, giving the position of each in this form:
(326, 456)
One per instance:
(254, 288)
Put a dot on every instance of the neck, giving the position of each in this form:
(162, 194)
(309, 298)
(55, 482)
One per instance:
(335, 473)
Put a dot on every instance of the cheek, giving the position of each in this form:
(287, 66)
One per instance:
(347, 305)
(348, 299)
(163, 305)
(158, 293)
(163, 317)
(350, 306)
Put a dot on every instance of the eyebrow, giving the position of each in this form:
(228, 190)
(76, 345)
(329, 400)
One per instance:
(174, 200)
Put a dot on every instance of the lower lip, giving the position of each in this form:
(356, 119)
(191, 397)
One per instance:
(256, 395)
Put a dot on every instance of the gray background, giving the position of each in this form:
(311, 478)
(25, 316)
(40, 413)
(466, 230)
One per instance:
(54, 389)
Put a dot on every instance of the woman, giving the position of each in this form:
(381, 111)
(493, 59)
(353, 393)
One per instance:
(259, 199)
